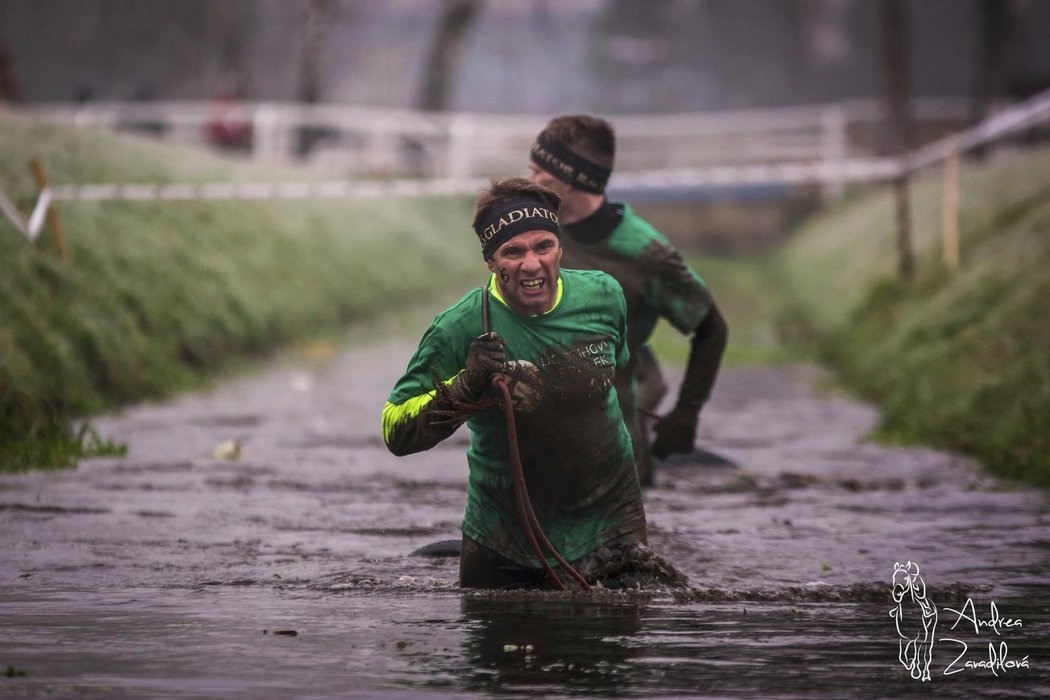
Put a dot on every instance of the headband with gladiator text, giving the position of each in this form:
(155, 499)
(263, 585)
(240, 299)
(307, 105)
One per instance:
(518, 216)
(569, 167)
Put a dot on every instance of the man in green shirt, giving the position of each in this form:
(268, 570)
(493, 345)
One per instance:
(560, 336)
(573, 156)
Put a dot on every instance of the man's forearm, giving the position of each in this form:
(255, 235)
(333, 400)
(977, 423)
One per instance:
(409, 429)
(705, 357)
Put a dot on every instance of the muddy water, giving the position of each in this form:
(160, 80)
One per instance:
(171, 573)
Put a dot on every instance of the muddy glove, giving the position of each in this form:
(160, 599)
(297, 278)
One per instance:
(484, 358)
(675, 432)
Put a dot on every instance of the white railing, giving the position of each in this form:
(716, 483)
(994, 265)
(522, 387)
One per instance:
(365, 142)
(832, 171)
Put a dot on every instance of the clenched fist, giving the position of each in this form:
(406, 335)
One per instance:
(484, 358)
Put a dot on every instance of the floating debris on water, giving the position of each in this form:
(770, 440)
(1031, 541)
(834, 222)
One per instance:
(229, 450)
(510, 648)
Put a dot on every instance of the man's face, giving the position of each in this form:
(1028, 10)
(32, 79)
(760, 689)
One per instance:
(527, 269)
(539, 176)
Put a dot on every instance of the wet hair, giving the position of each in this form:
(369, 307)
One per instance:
(505, 190)
(590, 137)
(512, 206)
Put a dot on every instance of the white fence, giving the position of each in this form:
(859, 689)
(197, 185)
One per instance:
(367, 142)
(833, 169)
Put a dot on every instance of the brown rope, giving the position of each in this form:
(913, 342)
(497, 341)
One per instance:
(529, 522)
(650, 414)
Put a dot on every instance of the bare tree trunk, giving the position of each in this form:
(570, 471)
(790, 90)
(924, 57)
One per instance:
(897, 79)
(230, 21)
(8, 83)
(457, 16)
(318, 13)
(996, 27)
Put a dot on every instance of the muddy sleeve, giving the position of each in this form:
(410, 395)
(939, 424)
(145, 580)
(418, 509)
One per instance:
(622, 353)
(431, 400)
(674, 290)
(705, 357)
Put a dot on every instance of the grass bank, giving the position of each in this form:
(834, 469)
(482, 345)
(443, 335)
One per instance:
(158, 296)
(748, 291)
(959, 360)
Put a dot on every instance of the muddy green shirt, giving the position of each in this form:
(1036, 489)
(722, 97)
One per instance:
(576, 453)
(656, 281)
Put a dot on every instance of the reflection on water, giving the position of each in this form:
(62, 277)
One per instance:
(156, 575)
(548, 644)
(396, 642)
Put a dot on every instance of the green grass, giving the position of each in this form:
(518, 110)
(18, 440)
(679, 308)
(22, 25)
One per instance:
(959, 360)
(746, 289)
(158, 296)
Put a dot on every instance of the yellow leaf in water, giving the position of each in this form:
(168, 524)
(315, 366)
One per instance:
(229, 450)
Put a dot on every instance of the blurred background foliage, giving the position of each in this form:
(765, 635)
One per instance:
(157, 297)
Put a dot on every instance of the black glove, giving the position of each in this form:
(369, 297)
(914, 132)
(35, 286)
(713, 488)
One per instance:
(484, 358)
(675, 432)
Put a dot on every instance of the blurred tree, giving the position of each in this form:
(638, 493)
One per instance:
(632, 50)
(8, 82)
(997, 32)
(310, 78)
(679, 55)
(896, 71)
(318, 14)
(227, 15)
(457, 16)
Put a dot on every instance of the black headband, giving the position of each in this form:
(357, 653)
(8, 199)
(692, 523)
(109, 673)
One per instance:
(502, 223)
(569, 167)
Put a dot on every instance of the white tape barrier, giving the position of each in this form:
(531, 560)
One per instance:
(868, 169)
(817, 173)
(331, 189)
(11, 213)
(32, 228)
(1023, 116)
(1031, 112)
(36, 220)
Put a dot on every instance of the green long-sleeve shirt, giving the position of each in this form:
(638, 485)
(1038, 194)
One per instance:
(576, 452)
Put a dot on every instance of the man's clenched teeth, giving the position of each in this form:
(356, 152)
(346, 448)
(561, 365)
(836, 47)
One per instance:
(532, 284)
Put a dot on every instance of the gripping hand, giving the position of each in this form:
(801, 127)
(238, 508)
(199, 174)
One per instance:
(484, 358)
(675, 432)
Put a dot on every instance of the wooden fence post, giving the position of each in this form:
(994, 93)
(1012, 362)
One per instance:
(905, 256)
(950, 210)
(57, 232)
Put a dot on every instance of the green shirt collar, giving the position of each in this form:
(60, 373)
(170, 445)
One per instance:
(494, 290)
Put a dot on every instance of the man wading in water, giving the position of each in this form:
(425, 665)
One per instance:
(573, 156)
(560, 338)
